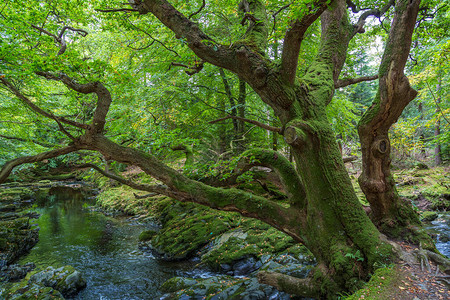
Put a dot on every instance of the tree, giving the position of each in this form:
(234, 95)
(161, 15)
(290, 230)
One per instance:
(323, 211)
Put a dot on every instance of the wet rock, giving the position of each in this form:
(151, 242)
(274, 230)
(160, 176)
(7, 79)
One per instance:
(428, 216)
(66, 280)
(16, 272)
(147, 235)
(16, 238)
(226, 287)
(177, 283)
(27, 290)
(246, 266)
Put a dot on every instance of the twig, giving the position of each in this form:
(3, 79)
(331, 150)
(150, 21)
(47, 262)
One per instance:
(199, 10)
(437, 104)
(259, 124)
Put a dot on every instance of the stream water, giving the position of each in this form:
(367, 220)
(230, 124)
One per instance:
(103, 249)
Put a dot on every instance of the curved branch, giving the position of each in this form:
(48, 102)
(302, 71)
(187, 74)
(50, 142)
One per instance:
(294, 38)
(159, 189)
(349, 81)
(285, 170)
(10, 165)
(259, 124)
(37, 109)
(198, 10)
(184, 189)
(103, 96)
(116, 10)
(359, 26)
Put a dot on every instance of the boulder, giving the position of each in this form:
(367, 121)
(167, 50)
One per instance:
(66, 280)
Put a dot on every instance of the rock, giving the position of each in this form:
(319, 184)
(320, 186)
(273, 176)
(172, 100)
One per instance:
(246, 266)
(66, 280)
(428, 216)
(226, 287)
(147, 235)
(16, 238)
(177, 283)
(16, 272)
(27, 290)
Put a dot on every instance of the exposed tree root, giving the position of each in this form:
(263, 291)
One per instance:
(289, 284)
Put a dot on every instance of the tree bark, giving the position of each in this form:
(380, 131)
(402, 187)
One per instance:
(390, 213)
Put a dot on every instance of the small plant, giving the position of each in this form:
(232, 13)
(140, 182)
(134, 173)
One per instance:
(357, 256)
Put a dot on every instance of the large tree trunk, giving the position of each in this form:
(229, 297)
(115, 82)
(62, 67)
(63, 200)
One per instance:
(393, 215)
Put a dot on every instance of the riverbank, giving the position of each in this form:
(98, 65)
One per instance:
(19, 233)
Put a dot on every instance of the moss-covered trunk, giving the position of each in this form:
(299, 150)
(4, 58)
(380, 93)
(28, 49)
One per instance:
(333, 225)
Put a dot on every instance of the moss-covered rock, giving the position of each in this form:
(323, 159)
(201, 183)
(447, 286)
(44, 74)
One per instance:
(16, 238)
(428, 216)
(66, 280)
(25, 290)
(147, 235)
(177, 283)
(251, 239)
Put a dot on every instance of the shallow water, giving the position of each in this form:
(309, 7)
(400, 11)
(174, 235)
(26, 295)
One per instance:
(103, 249)
(441, 227)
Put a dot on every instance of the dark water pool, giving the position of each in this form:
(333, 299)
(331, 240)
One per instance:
(103, 249)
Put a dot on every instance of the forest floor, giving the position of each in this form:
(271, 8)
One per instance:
(406, 281)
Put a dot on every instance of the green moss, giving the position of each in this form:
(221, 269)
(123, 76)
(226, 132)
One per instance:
(428, 216)
(375, 288)
(147, 235)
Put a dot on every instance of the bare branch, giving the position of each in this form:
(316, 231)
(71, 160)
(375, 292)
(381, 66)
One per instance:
(359, 26)
(293, 40)
(198, 11)
(37, 109)
(60, 38)
(349, 81)
(103, 96)
(10, 165)
(259, 124)
(158, 189)
(196, 68)
(116, 10)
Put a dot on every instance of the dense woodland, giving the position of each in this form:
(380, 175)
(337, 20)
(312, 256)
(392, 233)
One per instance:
(200, 93)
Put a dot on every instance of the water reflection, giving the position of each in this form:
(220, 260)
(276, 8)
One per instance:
(103, 249)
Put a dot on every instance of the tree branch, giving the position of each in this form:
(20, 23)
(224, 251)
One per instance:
(259, 124)
(198, 11)
(158, 189)
(37, 109)
(116, 10)
(349, 81)
(103, 97)
(184, 189)
(359, 26)
(10, 165)
(293, 39)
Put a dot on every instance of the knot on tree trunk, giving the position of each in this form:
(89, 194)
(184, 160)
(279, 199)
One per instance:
(381, 146)
(295, 137)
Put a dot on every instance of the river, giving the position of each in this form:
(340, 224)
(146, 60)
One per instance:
(102, 248)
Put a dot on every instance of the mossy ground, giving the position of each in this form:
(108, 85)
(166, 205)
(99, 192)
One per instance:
(418, 184)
